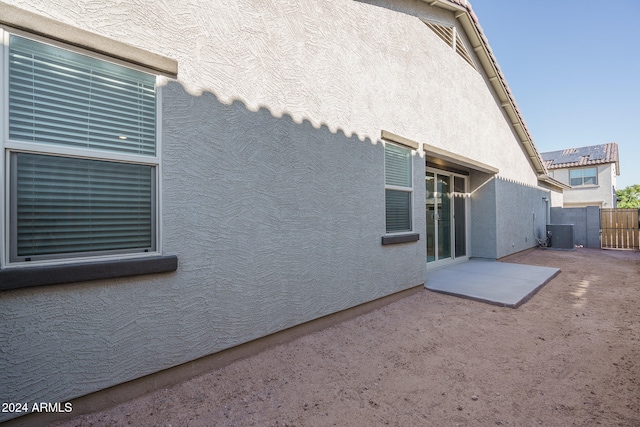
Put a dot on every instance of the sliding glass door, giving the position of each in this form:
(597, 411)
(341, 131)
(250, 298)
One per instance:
(446, 216)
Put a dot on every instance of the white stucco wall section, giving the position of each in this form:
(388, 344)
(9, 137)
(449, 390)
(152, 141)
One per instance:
(273, 180)
(592, 195)
(390, 71)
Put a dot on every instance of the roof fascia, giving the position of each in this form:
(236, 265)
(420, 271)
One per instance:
(553, 182)
(469, 22)
(584, 165)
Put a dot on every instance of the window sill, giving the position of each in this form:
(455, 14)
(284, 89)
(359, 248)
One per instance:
(16, 278)
(584, 187)
(393, 239)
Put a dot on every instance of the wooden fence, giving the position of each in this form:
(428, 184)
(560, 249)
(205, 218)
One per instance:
(620, 228)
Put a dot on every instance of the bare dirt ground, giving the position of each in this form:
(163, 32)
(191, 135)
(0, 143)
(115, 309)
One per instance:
(568, 357)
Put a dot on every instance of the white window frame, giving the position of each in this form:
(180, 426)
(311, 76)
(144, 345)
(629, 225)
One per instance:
(10, 146)
(400, 188)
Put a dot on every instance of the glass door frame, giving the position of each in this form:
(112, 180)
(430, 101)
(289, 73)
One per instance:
(452, 219)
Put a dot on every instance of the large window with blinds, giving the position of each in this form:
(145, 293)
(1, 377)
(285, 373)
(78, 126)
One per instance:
(81, 154)
(398, 188)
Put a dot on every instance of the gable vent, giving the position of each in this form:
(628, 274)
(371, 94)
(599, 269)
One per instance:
(450, 36)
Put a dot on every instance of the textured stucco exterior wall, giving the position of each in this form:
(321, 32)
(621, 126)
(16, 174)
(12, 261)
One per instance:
(557, 197)
(274, 228)
(390, 71)
(272, 181)
(483, 216)
(521, 216)
(590, 195)
(506, 216)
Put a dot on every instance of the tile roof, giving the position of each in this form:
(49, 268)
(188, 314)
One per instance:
(581, 156)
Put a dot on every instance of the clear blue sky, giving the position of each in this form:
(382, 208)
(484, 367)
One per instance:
(574, 69)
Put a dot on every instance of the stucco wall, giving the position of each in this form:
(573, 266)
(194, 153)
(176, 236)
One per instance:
(557, 197)
(521, 216)
(483, 216)
(506, 216)
(273, 226)
(272, 181)
(390, 70)
(590, 195)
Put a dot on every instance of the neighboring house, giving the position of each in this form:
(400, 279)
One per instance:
(590, 171)
(185, 177)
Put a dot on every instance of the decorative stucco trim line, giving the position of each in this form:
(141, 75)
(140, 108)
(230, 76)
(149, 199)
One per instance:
(459, 160)
(40, 25)
(399, 140)
(16, 278)
(400, 238)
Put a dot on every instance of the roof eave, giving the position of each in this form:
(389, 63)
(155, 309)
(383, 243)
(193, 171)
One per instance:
(583, 165)
(553, 182)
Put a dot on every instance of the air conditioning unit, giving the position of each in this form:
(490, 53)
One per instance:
(562, 236)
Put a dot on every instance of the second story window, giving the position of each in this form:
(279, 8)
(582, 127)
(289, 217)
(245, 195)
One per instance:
(586, 176)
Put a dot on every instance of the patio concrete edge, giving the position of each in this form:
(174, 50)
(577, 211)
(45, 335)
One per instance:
(517, 304)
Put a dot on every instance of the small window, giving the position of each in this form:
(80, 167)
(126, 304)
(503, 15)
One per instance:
(398, 188)
(587, 176)
(82, 154)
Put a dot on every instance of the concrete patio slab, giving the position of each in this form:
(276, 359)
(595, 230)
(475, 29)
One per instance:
(499, 283)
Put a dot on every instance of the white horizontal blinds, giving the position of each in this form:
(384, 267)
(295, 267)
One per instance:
(62, 97)
(62, 207)
(399, 186)
(398, 206)
(397, 166)
(75, 206)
